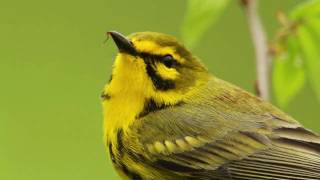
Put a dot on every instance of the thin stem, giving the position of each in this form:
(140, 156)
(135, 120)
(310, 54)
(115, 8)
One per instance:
(261, 47)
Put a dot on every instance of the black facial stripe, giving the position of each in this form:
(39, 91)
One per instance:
(158, 82)
(155, 58)
(152, 106)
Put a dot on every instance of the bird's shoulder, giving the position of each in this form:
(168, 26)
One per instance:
(215, 127)
(215, 110)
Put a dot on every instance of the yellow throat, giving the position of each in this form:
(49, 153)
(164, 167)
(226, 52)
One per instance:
(136, 80)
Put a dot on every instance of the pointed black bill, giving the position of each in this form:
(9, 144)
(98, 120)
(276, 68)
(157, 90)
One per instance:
(123, 44)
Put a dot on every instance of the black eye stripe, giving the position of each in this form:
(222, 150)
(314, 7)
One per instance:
(157, 58)
(159, 83)
(150, 56)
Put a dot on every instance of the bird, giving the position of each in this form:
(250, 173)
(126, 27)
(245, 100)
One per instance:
(166, 117)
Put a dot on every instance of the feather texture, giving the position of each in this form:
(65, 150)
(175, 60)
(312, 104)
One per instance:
(167, 118)
(225, 136)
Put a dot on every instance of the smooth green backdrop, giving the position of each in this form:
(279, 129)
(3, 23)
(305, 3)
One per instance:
(53, 66)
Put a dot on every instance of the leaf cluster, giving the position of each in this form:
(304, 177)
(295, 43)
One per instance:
(296, 57)
(295, 49)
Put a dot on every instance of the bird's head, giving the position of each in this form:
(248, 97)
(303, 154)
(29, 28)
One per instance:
(154, 65)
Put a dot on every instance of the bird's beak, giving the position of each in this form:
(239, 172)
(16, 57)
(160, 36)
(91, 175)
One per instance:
(123, 44)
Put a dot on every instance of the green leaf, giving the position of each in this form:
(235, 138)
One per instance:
(288, 74)
(199, 16)
(310, 49)
(303, 43)
(307, 9)
(313, 23)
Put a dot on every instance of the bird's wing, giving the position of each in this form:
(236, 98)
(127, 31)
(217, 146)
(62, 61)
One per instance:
(209, 137)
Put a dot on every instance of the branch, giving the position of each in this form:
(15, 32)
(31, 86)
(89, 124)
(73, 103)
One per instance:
(261, 47)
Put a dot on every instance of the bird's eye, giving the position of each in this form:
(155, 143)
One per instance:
(168, 61)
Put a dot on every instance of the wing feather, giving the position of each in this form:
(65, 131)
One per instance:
(231, 135)
(277, 163)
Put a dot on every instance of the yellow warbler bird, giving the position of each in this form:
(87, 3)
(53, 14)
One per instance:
(167, 117)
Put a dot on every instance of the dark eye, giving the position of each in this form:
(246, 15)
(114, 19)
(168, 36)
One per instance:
(168, 61)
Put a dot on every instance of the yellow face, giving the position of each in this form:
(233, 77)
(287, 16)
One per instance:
(157, 66)
(151, 70)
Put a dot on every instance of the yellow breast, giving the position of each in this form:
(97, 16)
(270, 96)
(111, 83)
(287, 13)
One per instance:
(127, 92)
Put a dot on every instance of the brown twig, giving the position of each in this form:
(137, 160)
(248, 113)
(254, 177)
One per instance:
(261, 47)
(287, 29)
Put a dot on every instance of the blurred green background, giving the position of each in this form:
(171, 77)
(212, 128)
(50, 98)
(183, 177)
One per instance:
(53, 65)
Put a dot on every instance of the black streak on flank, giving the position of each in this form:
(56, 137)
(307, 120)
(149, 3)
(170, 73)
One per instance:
(105, 96)
(120, 142)
(110, 79)
(136, 157)
(118, 163)
(158, 82)
(131, 174)
(113, 159)
(152, 106)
